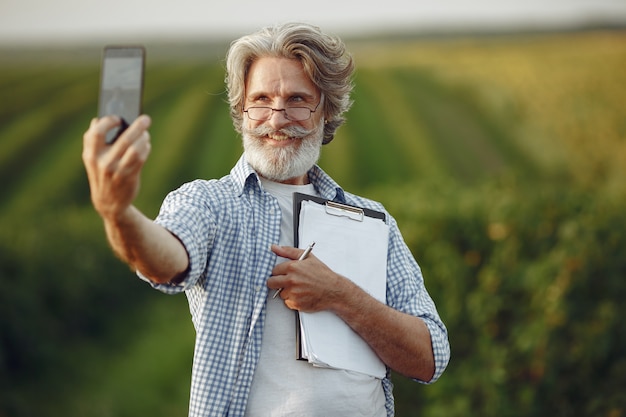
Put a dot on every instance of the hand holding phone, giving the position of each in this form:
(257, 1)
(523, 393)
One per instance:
(121, 86)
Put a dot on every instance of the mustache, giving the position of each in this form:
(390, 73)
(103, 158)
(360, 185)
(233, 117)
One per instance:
(297, 132)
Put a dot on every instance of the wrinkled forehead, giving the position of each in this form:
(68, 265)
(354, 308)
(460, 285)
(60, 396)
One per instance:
(271, 76)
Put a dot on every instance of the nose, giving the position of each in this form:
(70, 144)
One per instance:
(278, 119)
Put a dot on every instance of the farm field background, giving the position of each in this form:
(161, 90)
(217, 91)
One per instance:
(502, 158)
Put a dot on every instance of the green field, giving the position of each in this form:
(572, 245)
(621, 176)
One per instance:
(502, 158)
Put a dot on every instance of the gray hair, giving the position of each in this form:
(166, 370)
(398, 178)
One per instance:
(323, 57)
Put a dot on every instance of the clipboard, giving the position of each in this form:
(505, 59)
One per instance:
(361, 357)
(332, 207)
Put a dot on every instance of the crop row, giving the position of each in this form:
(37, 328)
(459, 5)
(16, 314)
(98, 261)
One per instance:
(384, 141)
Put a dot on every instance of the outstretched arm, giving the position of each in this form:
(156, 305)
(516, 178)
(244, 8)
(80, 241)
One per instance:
(114, 178)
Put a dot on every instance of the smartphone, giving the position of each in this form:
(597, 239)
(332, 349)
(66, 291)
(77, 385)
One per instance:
(121, 85)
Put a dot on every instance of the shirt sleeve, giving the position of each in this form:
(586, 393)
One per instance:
(407, 293)
(185, 213)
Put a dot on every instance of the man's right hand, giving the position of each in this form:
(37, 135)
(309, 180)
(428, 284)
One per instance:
(114, 170)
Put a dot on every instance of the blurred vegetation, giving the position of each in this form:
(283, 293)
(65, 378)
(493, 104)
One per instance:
(502, 158)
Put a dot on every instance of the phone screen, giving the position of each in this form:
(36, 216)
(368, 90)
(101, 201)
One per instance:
(121, 85)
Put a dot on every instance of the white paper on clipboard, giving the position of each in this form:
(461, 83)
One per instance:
(355, 247)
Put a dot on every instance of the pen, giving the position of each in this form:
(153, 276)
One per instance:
(301, 258)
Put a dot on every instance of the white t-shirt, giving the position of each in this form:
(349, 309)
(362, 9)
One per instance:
(284, 386)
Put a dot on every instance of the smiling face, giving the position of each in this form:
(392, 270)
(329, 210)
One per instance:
(281, 149)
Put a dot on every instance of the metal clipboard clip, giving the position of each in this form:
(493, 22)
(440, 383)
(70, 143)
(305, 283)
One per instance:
(342, 210)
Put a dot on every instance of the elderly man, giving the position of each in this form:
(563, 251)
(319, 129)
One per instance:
(288, 87)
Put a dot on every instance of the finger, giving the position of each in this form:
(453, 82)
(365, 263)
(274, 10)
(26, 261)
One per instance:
(140, 124)
(287, 251)
(99, 127)
(273, 283)
(133, 132)
(136, 155)
(131, 135)
(95, 137)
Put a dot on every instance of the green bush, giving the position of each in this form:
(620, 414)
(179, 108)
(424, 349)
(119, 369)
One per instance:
(530, 281)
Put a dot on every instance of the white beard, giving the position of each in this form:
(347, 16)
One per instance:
(282, 164)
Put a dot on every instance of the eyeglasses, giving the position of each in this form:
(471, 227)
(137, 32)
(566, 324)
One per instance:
(294, 114)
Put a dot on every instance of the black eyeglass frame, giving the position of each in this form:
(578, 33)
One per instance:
(284, 110)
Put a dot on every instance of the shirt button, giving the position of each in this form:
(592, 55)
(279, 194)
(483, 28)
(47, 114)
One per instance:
(257, 288)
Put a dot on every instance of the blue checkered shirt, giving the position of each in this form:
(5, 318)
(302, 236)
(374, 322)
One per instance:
(227, 226)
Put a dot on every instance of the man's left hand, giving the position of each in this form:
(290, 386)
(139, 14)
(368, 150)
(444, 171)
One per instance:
(307, 285)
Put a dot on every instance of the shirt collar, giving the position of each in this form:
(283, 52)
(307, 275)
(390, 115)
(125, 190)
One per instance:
(244, 175)
(325, 185)
(241, 172)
